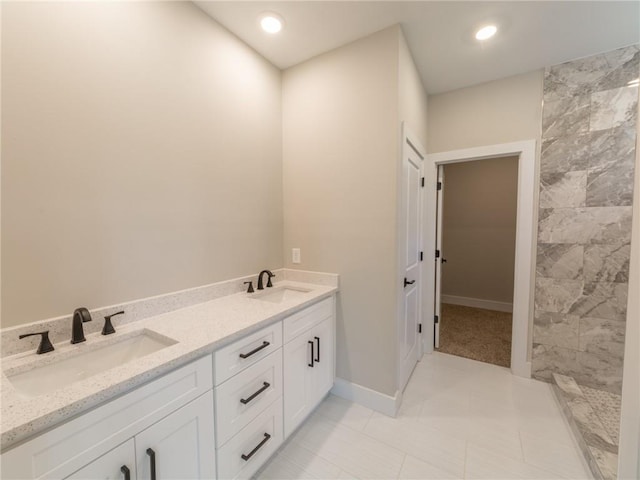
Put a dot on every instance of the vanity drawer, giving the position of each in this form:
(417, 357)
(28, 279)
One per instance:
(241, 398)
(245, 453)
(307, 318)
(247, 351)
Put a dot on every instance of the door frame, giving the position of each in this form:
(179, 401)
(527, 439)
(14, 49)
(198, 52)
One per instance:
(523, 285)
(408, 140)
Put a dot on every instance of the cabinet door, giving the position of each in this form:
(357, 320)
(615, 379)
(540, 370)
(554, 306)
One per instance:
(110, 465)
(181, 444)
(298, 382)
(323, 367)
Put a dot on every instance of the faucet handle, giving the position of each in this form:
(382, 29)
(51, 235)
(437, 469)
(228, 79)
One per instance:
(45, 344)
(270, 276)
(250, 287)
(108, 329)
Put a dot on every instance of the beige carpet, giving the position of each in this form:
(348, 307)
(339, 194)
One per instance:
(483, 335)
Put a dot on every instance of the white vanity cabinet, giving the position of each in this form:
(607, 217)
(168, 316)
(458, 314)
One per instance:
(248, 396)
(172, 416)
(309, 361)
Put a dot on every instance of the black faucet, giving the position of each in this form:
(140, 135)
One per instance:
(80, 316)
(260, 287)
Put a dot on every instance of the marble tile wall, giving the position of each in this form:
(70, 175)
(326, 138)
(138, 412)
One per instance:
(584, 230)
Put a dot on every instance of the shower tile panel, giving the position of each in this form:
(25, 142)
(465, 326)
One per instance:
(585, 225)
(602, 336)
(607, 263)
(607, 463)
(607, 406)
(565, 153)
(602, 300)
(556, 329)
(610, 188)
(613, 108)
(611, 149)
(589, 423)
(554, 295)
(560, 260)
(599, 371)
(566, 116)
(567, 189)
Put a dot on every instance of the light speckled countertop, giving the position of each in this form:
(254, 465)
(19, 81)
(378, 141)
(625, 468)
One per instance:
(199, 330)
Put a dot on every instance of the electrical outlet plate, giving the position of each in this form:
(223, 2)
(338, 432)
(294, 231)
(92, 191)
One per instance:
(295, 255)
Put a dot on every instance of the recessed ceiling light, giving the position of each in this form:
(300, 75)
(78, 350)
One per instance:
(271, 22)
(486, 32)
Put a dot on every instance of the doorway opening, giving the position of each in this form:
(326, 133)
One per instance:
(477, 208)
(524, 245)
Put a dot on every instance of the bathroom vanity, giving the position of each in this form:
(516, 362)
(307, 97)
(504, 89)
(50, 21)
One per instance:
(242, 373)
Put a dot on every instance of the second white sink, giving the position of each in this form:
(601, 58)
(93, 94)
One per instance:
(280, 294)
(50, 377)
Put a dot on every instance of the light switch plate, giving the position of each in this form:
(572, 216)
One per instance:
(295, 255)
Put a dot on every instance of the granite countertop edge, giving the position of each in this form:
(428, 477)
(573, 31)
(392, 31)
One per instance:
(199, 330)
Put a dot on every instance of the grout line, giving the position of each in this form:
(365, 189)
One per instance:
(402, 465)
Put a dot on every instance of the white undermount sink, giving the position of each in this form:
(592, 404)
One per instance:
(280, 294)
(52, 376)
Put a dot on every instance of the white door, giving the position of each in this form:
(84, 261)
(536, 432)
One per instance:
(116, 464)
(411, 225)
(181, 445)
(439, 257)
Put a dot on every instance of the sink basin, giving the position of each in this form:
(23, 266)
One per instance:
(280, 294)
(52, 376)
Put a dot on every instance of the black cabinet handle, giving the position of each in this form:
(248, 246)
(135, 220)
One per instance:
(258, 447)
(265, 385)
(152, 462)
(407, 282)
(312, 355)
(318, 352)
(265, 344)
(127, 473)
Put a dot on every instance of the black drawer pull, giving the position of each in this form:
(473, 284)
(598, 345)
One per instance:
(127, 473)
(152, 462)
(318, 352)
(265, 344)
(265, 385)
(312, 355)
(258, 447)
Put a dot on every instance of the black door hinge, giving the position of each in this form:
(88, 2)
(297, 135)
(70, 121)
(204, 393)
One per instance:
(421, 256)
(422, 182)
(439, 186)
(437, 253)
(419, 328)
(436, 319)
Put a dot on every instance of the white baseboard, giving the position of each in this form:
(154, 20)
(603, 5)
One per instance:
(367, 398)
(477, 303)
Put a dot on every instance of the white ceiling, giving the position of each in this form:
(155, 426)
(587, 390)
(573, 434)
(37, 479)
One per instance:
(531, 34)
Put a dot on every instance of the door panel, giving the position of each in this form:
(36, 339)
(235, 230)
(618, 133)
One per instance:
(298, 381)
(412, 172)
(438, 293)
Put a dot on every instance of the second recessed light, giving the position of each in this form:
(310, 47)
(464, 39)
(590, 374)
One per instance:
(486, 32)
(271, 23)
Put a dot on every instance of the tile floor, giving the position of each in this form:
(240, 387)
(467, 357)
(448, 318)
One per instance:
(459, 419)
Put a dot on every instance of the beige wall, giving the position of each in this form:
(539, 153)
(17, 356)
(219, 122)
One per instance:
(501, 111)
(141, 154)
(479, 228)
(411, 94)
(340, 154)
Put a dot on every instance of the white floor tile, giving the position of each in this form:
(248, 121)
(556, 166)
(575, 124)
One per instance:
(484, 463)
(352, 451)
(441, 450)
(413, 468)
(309, 461)
(554, 457)
(459, 419)
(345, 412)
